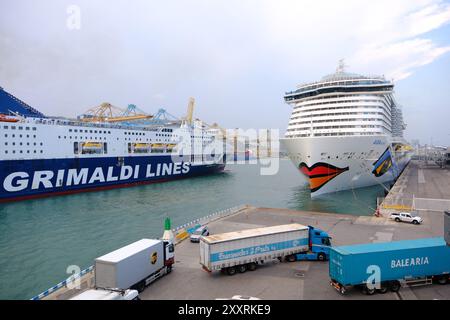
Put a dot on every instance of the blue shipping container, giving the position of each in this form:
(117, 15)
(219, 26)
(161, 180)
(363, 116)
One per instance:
(353, 265)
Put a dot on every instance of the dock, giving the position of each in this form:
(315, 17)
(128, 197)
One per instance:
(307, 279)
(429, 186)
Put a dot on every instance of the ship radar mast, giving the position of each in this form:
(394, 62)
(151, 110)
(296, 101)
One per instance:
(341, 66)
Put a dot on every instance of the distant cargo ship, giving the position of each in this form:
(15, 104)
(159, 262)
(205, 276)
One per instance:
(346, 131)
(42, 156)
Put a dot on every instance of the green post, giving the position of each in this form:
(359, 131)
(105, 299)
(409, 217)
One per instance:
(167, 224)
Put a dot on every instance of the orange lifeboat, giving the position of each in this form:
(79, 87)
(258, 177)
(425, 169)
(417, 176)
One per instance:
(5, 118)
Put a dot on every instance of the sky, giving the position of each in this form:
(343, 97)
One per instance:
(236, 57)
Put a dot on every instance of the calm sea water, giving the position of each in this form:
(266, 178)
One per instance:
(39, 239)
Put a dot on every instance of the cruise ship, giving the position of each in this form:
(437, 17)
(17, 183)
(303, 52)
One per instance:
(346, 132)
(45, 156)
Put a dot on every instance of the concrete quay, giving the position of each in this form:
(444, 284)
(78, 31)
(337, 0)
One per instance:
(297, 280)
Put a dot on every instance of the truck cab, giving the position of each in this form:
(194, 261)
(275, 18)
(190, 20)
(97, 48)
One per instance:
(319, 246)
(107, 294)
(169, 255)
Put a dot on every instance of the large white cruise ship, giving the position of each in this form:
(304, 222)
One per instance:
(345, 132)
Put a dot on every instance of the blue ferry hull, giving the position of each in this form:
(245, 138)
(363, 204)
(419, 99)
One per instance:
(27, 179)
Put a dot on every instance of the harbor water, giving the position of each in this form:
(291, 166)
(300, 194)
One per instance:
(40, 239)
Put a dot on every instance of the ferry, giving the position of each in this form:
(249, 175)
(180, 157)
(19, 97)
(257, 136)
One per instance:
(43, 156)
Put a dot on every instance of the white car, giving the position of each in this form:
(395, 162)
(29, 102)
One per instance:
(201, 231)
(239, 297)
(406, 217)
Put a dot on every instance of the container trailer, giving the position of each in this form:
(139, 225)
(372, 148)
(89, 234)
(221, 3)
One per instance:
(379, 267)
(243, 250)
(134, 266)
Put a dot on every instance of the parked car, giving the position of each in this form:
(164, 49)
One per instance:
(200, 232)
(406, 217)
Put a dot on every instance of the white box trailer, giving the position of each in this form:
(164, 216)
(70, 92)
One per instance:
(134, 266)
(244, 250)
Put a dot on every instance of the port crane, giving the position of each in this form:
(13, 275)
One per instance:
(106, 112)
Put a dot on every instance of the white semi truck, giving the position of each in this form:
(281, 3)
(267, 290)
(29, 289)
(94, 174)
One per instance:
(243, 250)
(134, 266)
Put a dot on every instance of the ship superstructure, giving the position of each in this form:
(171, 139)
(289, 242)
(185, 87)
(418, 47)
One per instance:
(42, 156)
(346, 131)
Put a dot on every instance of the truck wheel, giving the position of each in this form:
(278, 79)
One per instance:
(140, 286)
(291, 258)
(442, 280)
(231, 271)
(395, 286)
(397, 219)
(251, 266)
(370, 291)
(169, 269)
(342, 290)
(415, 222)
(383, 289)
(242, 268)
(321, 257)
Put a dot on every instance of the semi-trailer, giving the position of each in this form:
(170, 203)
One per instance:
(379, 267)
(134, 266)
(240, 251)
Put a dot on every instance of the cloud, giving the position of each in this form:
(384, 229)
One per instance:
(237, 58)
(400, 46)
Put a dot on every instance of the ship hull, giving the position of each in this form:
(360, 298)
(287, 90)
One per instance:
(28, 179)
(332, 164)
